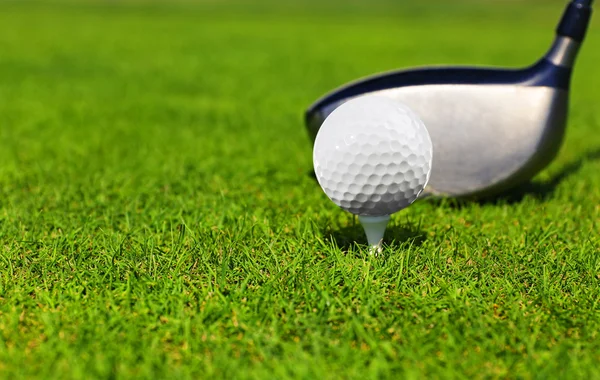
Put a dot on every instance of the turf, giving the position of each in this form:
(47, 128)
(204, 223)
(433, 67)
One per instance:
(158, 218)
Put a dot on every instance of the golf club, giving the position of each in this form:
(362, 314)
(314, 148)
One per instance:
(491, 129)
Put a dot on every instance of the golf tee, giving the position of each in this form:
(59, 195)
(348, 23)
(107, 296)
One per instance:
(374, 227)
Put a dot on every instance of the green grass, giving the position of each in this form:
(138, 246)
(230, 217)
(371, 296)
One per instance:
(158, 219)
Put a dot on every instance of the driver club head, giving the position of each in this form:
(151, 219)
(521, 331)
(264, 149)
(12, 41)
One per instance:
(491, 128)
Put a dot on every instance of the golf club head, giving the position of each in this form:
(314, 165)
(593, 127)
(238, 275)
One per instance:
(491, 129)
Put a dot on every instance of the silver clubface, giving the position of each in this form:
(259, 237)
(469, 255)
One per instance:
(491, 128)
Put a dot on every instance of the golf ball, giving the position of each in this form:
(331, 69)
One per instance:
(372, 156)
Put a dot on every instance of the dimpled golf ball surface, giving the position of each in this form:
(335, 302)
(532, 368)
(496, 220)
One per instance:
(372, 156)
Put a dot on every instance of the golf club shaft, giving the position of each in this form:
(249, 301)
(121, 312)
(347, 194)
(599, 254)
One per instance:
(570, 32)
(575, 20)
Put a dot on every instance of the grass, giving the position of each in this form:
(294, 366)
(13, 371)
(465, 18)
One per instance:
(158, 219)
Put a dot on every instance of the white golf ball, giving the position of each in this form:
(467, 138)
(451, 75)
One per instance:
(372, 156)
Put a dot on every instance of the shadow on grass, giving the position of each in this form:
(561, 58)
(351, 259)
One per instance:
(348, 237)
(541, 190)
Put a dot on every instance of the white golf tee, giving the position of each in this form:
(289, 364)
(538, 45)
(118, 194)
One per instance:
(374, 227)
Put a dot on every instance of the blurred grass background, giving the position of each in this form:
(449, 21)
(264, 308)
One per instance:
(157, 218)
